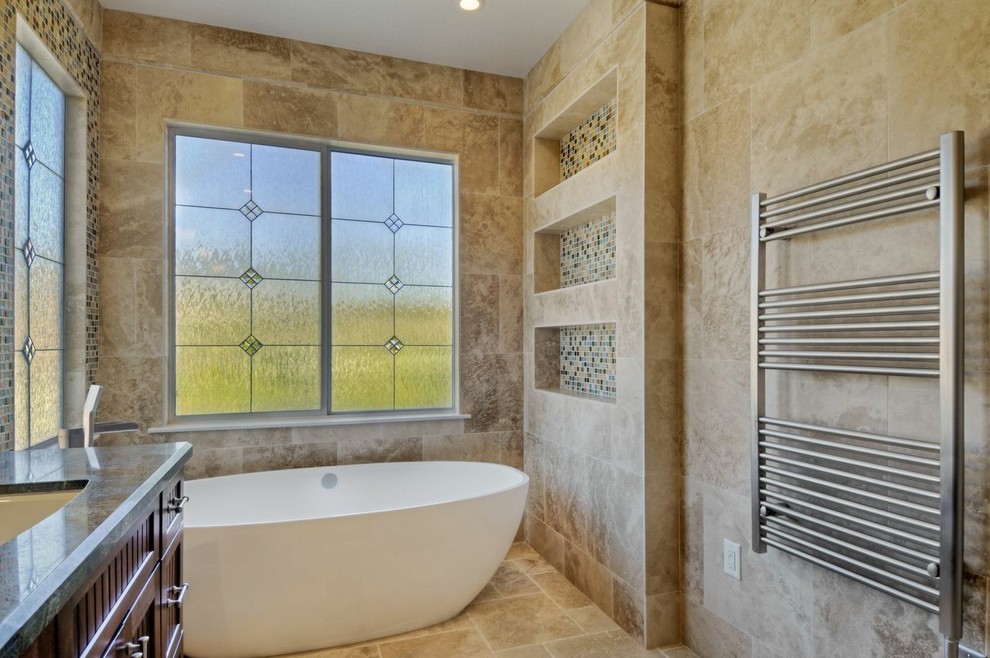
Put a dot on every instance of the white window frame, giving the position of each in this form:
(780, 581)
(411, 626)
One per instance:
(324, 415)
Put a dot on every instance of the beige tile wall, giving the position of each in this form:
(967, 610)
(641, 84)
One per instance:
(155, 70)
(779, 94)
(605, 500)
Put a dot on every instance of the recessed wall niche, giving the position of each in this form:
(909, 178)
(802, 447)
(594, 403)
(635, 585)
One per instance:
(577, 250)
(581, 135)
(577, 360)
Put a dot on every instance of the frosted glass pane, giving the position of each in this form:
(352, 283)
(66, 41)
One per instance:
(211, 311)
(213, 173)
(212, 380)
(22, 91)
(361, 252)
(46, 304)
(424, 192)
(46, 396)
(47, 214)
(423, 316)
(424, 256)
(286, 379)
(21, 437)
(422, 378)
(211, 242)
(362, 314)
(22, 199)
(286, 180)
(287, 312)
(47, 120)
(360, 187)
(362, 379)
(20, 300)
(287, 247)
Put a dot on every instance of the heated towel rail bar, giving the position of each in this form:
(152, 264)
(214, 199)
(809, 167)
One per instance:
(885, 511)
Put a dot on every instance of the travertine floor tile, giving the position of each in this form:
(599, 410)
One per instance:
(535, 651)
(602, 645)
(521, 620)
(561, 590)
(528, 610)
(466, 643)
(681, 652)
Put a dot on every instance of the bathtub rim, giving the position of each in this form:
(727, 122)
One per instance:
(188, 524)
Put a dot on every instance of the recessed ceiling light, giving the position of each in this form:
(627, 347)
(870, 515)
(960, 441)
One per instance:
(471, 5)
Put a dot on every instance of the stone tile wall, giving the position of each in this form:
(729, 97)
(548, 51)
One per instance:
(156, 70)
(72, 33)
(777, 95)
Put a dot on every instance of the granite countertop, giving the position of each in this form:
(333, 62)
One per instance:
(44, 566)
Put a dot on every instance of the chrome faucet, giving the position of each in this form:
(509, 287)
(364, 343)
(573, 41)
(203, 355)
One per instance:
(90, 428)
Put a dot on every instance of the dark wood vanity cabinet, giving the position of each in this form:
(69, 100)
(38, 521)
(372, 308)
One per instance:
(131, 606)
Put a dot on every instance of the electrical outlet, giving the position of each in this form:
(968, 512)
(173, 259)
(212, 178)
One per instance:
(731, 558)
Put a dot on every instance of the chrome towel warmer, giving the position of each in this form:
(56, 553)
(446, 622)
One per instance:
(882, 510)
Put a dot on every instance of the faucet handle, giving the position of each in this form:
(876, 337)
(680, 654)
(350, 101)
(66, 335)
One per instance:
(89, 413)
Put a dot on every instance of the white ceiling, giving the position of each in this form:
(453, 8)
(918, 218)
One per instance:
(505, 36)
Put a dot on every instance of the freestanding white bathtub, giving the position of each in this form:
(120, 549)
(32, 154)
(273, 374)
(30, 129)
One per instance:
(296, 560)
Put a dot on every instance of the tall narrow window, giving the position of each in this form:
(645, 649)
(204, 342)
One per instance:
(39, 265)
(285, 303)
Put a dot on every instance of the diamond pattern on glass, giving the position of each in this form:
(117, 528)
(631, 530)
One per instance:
(29, 253)
(251, 345)
(394, 223)
(30, 155)
(28, 350)
(393, 284)
(251, 278)
(394, 345)
(251, 210)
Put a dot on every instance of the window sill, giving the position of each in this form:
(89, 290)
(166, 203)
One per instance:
(319, 421)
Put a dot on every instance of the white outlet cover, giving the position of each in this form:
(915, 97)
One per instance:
(731, 559)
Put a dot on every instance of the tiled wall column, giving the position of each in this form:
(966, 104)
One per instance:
(595, 465)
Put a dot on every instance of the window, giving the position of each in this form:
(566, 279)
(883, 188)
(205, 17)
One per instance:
(309, 279)
(39, 263)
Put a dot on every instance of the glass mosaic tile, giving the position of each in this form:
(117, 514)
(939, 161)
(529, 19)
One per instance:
(587, 252)
(587, 359)
(394, 345)
(590, 141)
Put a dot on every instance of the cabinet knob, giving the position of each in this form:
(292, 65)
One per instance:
(137, 649)
(179, 592)
(176, 504)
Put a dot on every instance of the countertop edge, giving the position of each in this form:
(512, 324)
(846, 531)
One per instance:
(23, 626)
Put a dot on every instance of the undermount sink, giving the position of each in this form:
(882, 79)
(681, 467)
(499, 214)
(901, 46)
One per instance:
(21, 510)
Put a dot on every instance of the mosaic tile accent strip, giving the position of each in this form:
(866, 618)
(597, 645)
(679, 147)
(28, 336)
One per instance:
(66, 38)
(587, 359)
(587, 252)
(589, 142)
